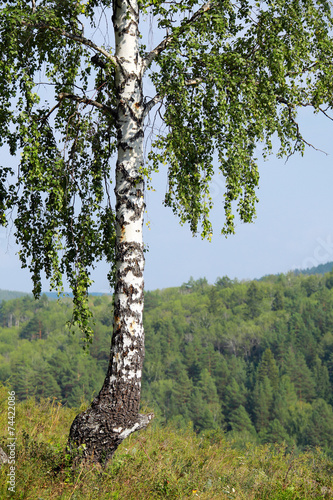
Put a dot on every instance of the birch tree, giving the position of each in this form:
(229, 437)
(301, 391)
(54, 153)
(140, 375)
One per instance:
(227, 76)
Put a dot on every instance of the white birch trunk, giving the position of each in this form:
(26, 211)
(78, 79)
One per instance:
(114, 413)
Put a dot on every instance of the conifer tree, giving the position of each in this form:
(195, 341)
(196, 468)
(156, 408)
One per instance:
(226, 75)
(278, 301)
(268, 368)
(300, 375)
(319, 431)
(284, 399)
(234, 396)
(210, 398)
(263, 403)
(322, 380)
(275, 433)
(240, 421)
(254, 296)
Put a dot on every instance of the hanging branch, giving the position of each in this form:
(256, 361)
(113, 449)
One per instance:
(77, 38)
(168, 39)
(86, 100)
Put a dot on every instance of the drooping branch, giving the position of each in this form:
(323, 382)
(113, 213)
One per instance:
(50, 112)
(299, 136)
(158, 97)
(77, 38)
(86, 100)
(168, 39)
(150, 104)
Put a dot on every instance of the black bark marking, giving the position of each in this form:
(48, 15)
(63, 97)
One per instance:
(114, 413)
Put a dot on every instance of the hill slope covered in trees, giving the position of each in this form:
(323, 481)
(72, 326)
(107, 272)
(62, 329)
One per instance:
(252, 358)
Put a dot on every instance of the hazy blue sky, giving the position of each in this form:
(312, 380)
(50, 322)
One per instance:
(293, 228)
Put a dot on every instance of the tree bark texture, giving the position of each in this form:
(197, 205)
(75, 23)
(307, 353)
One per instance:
(114, 413)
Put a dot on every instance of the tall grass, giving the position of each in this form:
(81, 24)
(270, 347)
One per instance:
(161, 463)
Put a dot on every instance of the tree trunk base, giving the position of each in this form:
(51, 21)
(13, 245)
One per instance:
(95, 435)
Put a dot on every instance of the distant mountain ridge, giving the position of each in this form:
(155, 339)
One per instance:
(54, 295)
(8, 294)
(321, 269)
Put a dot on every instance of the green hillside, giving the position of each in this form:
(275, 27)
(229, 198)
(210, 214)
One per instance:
(9, 295)
(321, 269)
(253, 359)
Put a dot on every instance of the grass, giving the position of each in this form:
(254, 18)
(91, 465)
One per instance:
(159, 463)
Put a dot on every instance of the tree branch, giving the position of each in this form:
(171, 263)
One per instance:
(299, 136)
(77, 38)
(86, 100)
(196, 81)
(50, 112)
(150, 104)
(325, 113)
(158, 97)
(143, 421)
(168, 39)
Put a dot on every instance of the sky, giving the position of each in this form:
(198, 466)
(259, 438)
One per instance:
(293, 228)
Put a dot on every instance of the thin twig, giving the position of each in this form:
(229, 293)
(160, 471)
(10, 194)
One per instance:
(44, 118)
(168, 39)
(77, 38)
(144, 450)
(324, 113)
(86, 100)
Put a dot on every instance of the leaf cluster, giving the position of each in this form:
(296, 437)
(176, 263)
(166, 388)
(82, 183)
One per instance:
(231, 79)
(59, 195)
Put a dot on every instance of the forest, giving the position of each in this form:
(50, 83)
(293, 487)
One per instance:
(251, 358)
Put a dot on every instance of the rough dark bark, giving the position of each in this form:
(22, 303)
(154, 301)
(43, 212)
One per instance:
(94, 435)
